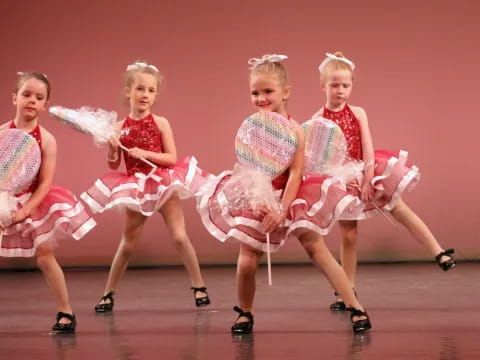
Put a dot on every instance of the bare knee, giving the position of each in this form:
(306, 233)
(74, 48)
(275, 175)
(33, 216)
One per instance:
(179, 239)
(349, 230)
(248, 262)
(45, 258)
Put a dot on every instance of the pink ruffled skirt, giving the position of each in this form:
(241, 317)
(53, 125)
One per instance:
(311, 210)
(145, 193)
(392, 177)
(59, 214)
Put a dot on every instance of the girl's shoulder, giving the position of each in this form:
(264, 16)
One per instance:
(319, 113)
(119, 123)
(47, 136)
(359, 112)
(161, 121)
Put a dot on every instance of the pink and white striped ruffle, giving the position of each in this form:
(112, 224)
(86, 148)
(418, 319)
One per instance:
(392, 177)
(59, 214)
(311, 210)
(145, 193)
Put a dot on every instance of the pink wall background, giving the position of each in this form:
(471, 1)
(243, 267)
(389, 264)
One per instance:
(417, 78)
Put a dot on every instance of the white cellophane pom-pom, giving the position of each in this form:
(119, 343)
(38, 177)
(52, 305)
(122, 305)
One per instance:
(351, 170)
(250, 189)
(7, 205)
(97, 122)
(100, 123)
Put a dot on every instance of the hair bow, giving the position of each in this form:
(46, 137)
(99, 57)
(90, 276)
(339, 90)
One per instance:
(254, 62)
(21, 73)
(331, 57)
(140, 65)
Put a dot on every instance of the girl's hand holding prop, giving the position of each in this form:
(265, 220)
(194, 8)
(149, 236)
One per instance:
(265, 145)
(326, 153)
(98, 123)
(20, 160)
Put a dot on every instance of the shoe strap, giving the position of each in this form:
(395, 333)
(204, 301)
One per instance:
(197, 289)
(448, 252)
(356, 312)
(241, 313)
(109, 296)
(67, 316)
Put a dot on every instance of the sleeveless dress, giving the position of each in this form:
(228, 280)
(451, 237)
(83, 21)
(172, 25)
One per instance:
(143, 188)
(392, 175)
(59, 214)
(309, 210)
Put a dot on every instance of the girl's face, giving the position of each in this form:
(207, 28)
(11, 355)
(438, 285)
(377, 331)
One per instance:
(31, 99)
(142, 93)
(267, 93)
(337, 87)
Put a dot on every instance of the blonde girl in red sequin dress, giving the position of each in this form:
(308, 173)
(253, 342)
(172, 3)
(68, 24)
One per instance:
(269, 91)
(385, 174)
(144, 190)
(43, 211)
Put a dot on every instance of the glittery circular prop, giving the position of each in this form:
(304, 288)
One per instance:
(19, 159)
(266, 141)
(325, 146)
(96, 122)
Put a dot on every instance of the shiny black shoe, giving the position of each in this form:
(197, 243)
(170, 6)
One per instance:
(105, 307)
(338, 305)
(447, 264)
(245, 327)
(59, 328)
(201, 301)
(362, 325)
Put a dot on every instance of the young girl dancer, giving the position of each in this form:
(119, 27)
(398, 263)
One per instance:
(269, 91)
(42, 211)
(144, 189)
(385, 173)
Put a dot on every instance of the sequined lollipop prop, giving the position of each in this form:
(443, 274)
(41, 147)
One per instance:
(265, 142)
(19, 164)
(96, 122)
(325, 146)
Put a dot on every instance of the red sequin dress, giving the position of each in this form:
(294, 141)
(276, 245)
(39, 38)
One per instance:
(60, 213)
(222, 217)
(142, 188)
(392, 175)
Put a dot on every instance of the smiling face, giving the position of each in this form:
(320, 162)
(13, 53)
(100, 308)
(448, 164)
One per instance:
(142, 93)
(267, 92)
(30, 99)
(338, 87)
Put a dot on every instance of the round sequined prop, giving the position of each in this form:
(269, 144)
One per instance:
(266, 141)
(325, 146)
(19, 159)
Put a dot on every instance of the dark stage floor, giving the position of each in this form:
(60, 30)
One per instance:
(417, 312)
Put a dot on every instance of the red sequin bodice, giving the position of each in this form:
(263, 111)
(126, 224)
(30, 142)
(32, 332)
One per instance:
(350, 126)
(143, 134)
(36, 134)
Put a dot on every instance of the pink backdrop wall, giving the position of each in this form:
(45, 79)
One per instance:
(417, 78)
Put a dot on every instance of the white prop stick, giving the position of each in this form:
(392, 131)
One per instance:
(142, 158)
(269, 261)
(381, 211)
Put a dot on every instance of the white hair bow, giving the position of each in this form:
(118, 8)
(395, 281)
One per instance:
(140, 65)
(254, 62)
(21, 73)
(331, 57)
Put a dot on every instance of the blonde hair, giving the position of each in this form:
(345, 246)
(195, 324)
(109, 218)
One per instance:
(329, 64)
(271, 67)
(140, 66)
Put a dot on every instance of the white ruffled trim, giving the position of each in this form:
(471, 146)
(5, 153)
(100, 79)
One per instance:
(164, 192)
(205, 194)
